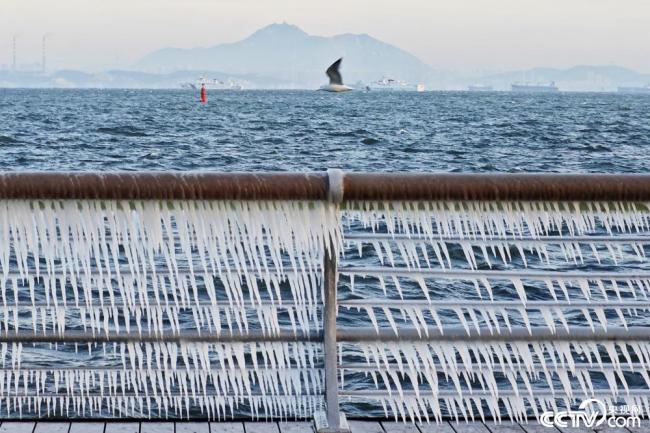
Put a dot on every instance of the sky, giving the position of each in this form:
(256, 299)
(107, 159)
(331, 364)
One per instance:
(459, 35)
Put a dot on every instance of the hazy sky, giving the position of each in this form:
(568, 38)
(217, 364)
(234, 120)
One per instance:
(447, 34)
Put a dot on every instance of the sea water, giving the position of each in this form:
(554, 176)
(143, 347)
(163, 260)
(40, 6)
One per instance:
(309, 130)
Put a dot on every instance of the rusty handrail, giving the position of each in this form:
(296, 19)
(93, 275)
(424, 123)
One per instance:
(314, 186)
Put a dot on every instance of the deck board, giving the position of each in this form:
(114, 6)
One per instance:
(192, 427)
(122, 427)
(506, 427)
(295, 427)
(157, 427)
(535, 427)
(17, 427)
(261, 427)
(226, 427)
(470, 427)
(399, 427)
(52, 427)
(432, 427)
(86, 427)
(365, 427)
(575, 430)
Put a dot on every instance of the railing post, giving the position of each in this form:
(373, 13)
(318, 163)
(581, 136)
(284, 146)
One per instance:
(332, 421)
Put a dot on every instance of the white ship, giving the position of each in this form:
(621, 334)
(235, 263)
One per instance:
(390, 84)
(213, 84)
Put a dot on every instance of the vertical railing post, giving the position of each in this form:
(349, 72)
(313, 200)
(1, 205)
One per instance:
(330, 349)
(332, 421)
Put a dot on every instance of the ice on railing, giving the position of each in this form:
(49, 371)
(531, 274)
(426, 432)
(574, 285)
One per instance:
(487, 219)
(504, 407)
(535, 247)
(490, 267)
(514, 371)
(162, 268)
(415, 252)
(486, 319)
(244, 376)
(142, 261)
(93, 252)
(163, 406)
(160, 319)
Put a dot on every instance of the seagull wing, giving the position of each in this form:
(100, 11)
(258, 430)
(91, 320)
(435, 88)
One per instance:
(334, 74)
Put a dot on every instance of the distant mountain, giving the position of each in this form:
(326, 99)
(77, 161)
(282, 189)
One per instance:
(577, 78)
(295, 58)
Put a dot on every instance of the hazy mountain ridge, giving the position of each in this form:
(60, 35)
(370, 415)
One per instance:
(282, 56)
(289, 54)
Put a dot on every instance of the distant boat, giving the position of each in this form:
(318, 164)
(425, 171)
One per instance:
(391, 84)
(479, 88)
(535, 88)
(212, 84)
(642, 90)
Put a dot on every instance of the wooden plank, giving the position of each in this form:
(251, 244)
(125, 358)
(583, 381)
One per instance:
(261, 427)
(399, 427)
(17, 427)
(575, 430)
(157, 427)
(87, 427)
(365, 427)
(470, 427)
(535, 427)
(192, 427)
(52, 427)
(295, 427)
(506, 427)
(122, 427)
(643, 428)
(436, 428)
(226, 427)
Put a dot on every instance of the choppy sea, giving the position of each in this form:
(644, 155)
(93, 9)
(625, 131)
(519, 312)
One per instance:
(309, 130)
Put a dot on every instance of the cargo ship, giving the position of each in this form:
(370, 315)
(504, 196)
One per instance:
(535, 88)
(642, 90)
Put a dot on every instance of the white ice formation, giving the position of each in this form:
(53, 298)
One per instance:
(487, 268)
(163, 268)
(228, 268)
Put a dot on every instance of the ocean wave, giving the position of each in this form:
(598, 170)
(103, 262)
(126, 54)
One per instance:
(4, 139)
(127, 131)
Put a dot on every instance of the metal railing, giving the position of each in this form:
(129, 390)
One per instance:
(394, 202)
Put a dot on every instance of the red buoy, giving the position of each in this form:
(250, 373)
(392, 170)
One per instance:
(204, 94)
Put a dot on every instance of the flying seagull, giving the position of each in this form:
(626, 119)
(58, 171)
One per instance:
(336, 81)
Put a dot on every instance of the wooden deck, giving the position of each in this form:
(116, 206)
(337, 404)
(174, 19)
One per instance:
(282, 427)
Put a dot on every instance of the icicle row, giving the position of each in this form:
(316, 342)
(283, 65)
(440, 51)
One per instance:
(486, 319)
(494, 408)
(212, 407)
(442, 254)
(159, 319)
(486, 220)
(522, 368)
(153, 382)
